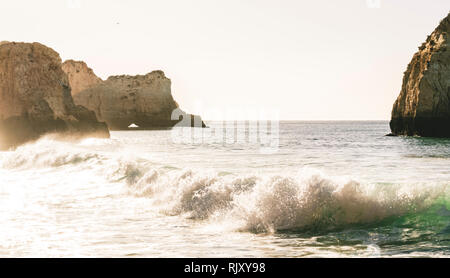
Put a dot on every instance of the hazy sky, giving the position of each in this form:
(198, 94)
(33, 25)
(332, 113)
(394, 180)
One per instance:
(311, 60)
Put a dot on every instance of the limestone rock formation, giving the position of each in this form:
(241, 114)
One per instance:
(81, 77)
(120, 101)
(35, 97)
(423, 106)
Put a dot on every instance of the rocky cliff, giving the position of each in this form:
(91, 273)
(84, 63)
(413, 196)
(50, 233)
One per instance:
(423, 106)
(81, 77)
(144, 100)
(35, 97)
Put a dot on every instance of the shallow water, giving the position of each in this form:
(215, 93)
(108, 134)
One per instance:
(329, 189)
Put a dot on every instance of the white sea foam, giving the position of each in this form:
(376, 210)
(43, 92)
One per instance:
(271, 203)
(305, 200)
(349, 193)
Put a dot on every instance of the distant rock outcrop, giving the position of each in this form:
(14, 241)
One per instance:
(120, 101)
(423, 106)
(35, 97)
(81, 77)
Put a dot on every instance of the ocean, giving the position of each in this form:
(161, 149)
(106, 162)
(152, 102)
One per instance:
(302, 189)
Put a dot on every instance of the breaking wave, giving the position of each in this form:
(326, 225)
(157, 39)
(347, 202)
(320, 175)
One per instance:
(305, 201)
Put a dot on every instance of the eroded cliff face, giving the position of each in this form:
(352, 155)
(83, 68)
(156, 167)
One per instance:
(35, 97)
(423, 106)
(144, 100)
(81, 77)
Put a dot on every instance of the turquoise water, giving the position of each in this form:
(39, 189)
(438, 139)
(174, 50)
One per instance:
(323, 189)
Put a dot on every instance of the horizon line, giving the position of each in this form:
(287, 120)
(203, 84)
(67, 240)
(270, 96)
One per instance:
(299, 120)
